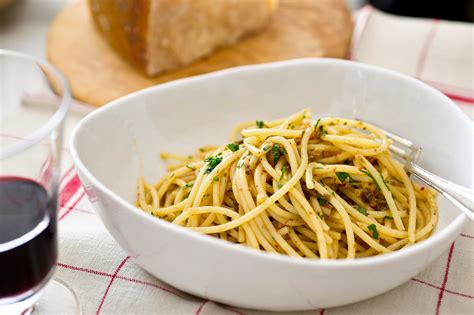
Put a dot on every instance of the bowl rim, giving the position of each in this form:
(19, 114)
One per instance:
(432, 241)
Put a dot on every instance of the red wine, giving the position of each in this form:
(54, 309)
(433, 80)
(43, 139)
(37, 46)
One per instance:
(28, 248)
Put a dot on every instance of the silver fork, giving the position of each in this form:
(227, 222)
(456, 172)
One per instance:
(461, 197)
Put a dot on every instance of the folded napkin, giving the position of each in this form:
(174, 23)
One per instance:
(440, 53)
(108, 281)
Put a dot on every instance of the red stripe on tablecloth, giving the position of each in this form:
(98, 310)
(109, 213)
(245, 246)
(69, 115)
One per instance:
(201, 307)
(425, 49)
(110, 283)
(100, 273)
(460, 98)
(460, 294)
(95, 272)
(468, 236)
(321, 312)
(69, 170)
(445, 290)
(362, 19)
(445, 280)
(71, 207)
(229, 308)
(84, 211)
(69, 190)
(425, 283)
(150, 284)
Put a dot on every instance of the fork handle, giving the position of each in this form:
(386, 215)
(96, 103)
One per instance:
(461, 197)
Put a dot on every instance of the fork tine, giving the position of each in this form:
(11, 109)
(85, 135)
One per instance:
(400, 152)
(394, 137)
(399, 139)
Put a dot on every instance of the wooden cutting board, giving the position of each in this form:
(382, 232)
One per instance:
(299, 28)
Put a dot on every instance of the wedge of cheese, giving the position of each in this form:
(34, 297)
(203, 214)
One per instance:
(162, 35)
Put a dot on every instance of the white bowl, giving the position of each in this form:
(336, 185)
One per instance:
(115, 144)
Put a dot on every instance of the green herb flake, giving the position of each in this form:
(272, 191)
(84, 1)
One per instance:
(387, 217)
(260, 123)
(375, 233)
(384, 181)
(267, 148)
(233, 147)
(187, 195)
(283, 171)
(215, 178)
(342, 176)
(191, 168)
(202, 150)
(361, 210)
(322, 201)
(321, 215)
(212, 162)
(188, 185)
(323, 132)
(317, 124)
(276, 152)
(366, 172)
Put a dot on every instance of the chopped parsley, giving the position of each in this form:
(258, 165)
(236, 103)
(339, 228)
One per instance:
(366, 172)
(324, 132)
(388, 217)
(384, 181)
(283, 171)
(321, 215)
(187, 195)
(322, 201)
(375, 233)
(266, 148)
(215, 178)
(260, 123)
(317, 123)
(191, 168)
(276, 152)
(233, 147)
(361, 210)
(188, 185)
(342, 176)
(212, 162)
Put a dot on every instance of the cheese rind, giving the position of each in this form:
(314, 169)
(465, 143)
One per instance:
(162, 35)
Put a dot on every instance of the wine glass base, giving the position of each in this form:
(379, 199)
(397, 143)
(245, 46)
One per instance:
(57, 298)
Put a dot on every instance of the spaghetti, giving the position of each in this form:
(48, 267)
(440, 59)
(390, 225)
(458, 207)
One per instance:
(326, 188)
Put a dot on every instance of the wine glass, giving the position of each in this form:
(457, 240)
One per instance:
(34, 101)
